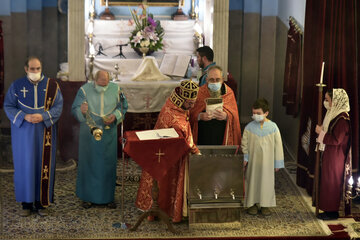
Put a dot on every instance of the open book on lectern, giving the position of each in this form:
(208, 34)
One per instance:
(175, 65)
(157, 134)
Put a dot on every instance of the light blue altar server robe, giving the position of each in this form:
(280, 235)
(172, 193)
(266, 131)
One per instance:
(263, 150)
(96, 176)
(24, 97)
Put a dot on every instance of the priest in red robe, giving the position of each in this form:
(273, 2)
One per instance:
(222, 125)
(335, 142)
(174, 114)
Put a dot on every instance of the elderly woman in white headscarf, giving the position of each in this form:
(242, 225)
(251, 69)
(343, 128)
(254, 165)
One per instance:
(334, 138)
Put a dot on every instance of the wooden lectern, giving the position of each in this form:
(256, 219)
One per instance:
(155, 157)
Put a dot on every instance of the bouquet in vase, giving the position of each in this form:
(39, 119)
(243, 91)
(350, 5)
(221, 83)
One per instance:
(148, 33)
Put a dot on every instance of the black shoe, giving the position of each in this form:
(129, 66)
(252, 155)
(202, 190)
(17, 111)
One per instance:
(111, 205)
(86, 205)
(326, 216)
(43, 212)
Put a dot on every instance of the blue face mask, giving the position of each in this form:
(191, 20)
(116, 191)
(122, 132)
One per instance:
(100, 88)
(214, 87)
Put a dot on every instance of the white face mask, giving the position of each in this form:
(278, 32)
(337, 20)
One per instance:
(214, 87)
(100, 89)
(327, 105)
(258, 117)
(35, 77)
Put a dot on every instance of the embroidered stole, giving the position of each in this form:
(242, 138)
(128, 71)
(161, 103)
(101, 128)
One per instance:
(51, 91)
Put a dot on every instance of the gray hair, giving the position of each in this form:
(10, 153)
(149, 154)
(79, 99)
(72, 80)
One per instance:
(216, 67)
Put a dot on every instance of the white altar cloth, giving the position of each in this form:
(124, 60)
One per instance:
(144, 97)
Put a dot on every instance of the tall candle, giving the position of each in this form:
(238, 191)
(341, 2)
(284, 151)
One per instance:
(351, 181)
(322, 73)
(107, 3)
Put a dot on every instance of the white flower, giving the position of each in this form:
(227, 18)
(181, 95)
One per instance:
(145, 43)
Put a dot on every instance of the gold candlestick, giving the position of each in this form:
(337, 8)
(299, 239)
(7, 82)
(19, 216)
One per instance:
(193, 14)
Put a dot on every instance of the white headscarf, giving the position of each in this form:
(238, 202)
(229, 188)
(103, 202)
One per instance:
(339, 104)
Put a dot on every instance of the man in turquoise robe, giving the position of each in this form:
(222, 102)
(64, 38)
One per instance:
(33, 120)
(100, 103)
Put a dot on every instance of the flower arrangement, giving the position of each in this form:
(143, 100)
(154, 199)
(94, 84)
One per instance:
(148, 33)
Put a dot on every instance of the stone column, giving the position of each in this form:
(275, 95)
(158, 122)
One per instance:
(221, 33)
(76, 42)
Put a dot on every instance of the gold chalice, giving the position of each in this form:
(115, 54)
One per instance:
(144, 51)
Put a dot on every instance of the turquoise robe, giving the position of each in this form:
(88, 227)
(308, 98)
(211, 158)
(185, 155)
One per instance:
(202, 79)
(96, 176)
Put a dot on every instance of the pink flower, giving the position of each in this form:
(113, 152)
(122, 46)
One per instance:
(130, 22)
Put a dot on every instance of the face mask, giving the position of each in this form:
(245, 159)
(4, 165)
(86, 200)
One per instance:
(326, 105)
(258, 117)
(214, 86)
(100, 89)
(35, 77)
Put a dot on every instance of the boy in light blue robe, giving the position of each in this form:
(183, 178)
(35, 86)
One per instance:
(106, 105)
(263, 155)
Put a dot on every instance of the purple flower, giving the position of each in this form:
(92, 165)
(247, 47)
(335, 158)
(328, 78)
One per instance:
(149, 29)
(152, 22)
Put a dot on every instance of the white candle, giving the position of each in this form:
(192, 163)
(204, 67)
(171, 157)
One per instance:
(92, 50)
(91, 27)
(351, 181)
(358, 183)
(107, 3)
(92, 7)
(322, 73)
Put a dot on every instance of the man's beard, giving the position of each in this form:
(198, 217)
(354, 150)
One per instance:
(201, 64)
(185, 108)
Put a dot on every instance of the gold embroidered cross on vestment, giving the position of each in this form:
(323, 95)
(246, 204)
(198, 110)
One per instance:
(46, 171)
(159, 154)
(48, 137)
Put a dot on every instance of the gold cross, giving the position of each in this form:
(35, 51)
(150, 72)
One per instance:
(24, 91)
(48, 139)
(159, 154)
(45, 171)
(48, 102)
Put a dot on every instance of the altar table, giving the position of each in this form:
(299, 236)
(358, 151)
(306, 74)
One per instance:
(156, 157)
